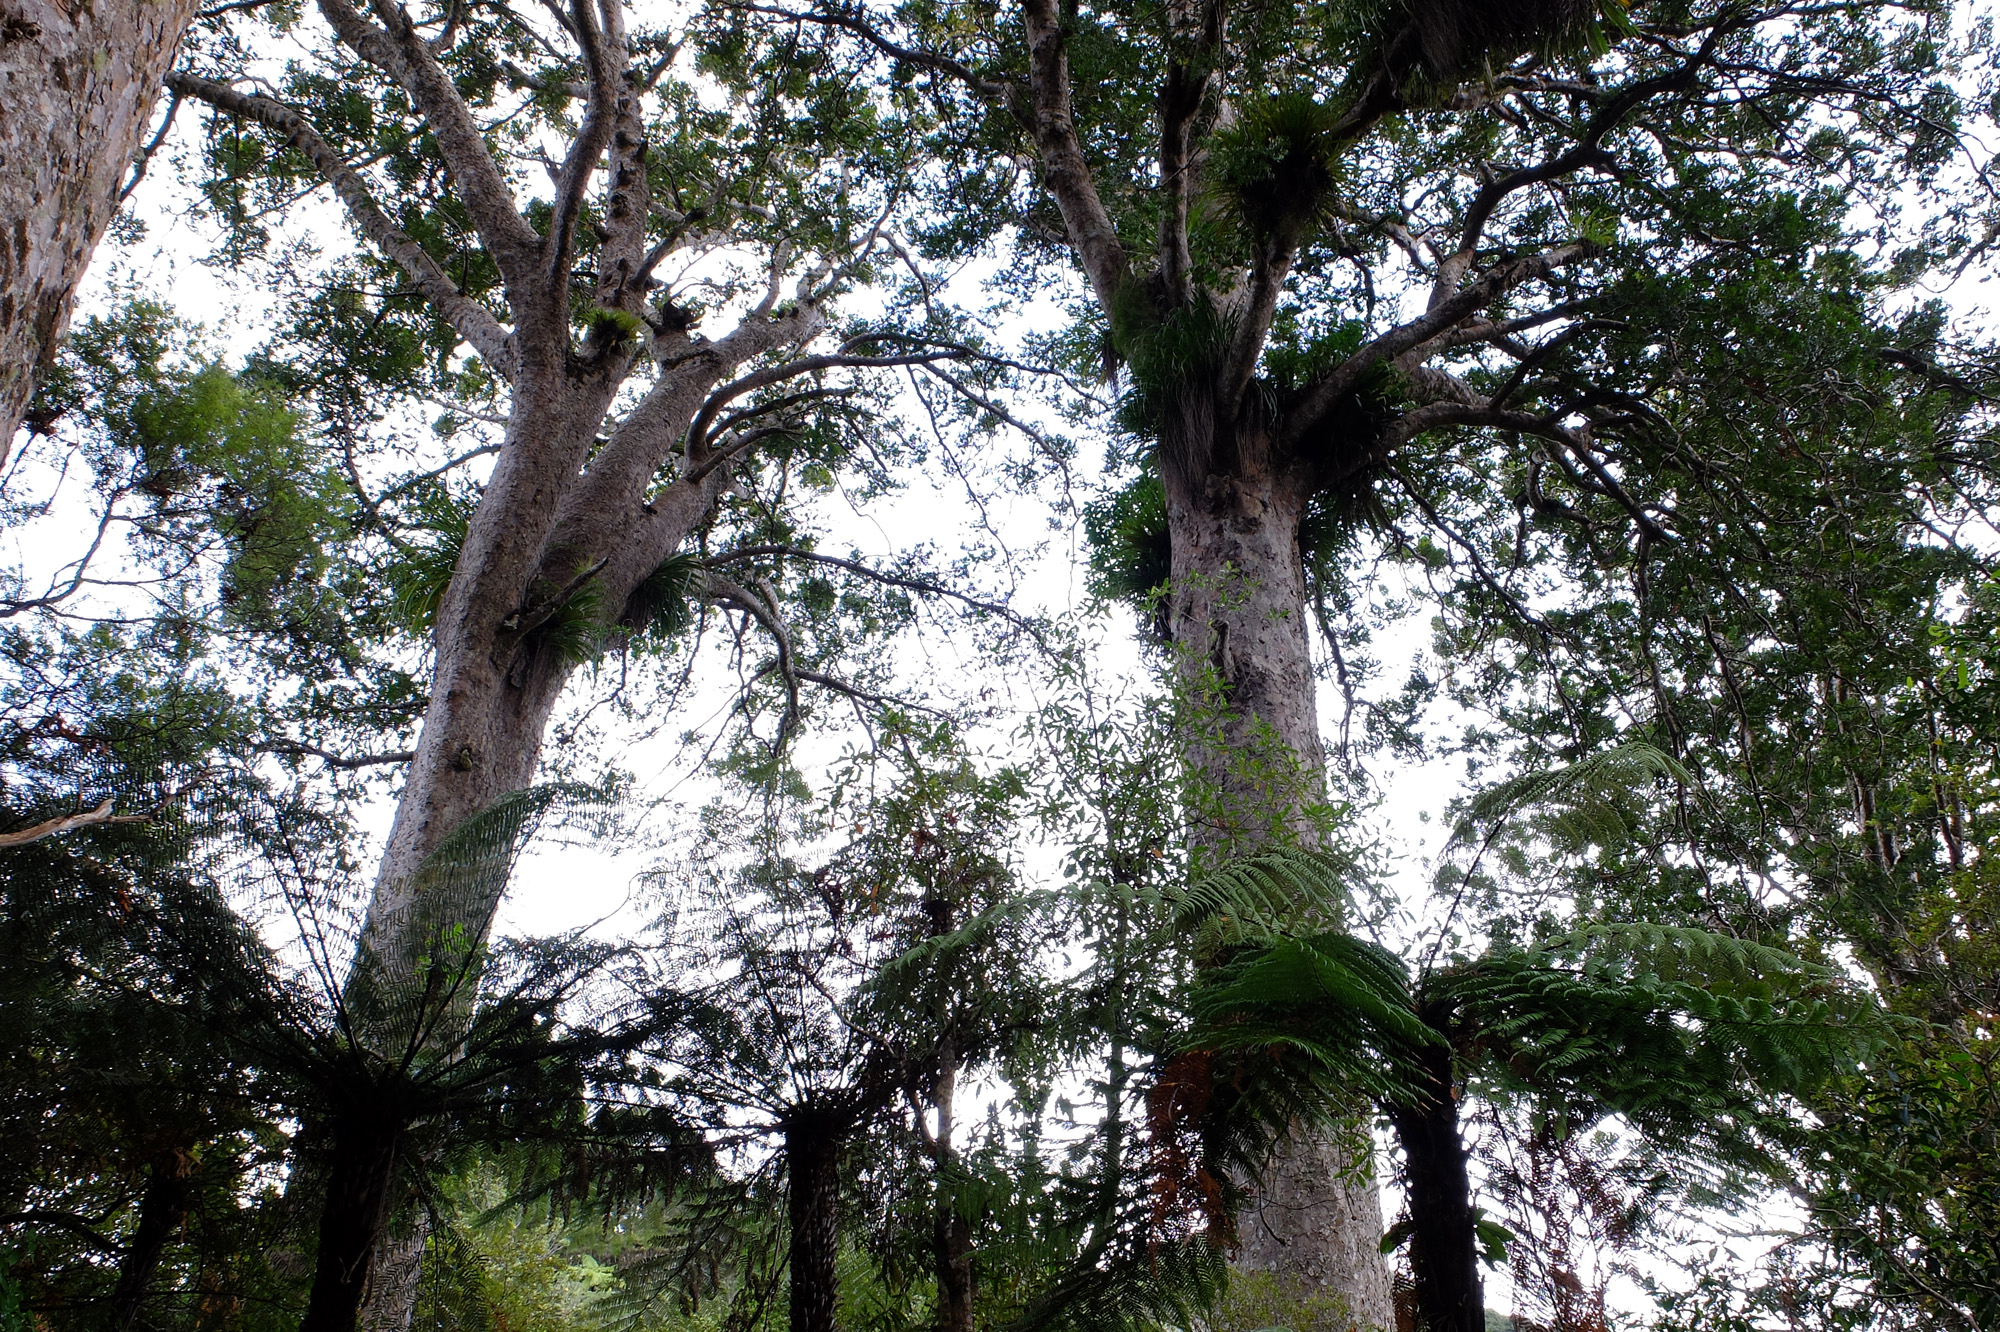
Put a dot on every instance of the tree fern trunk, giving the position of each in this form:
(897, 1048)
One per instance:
(1444, 1239)
(812, 1168)
(162, 1209)
(360, 1176)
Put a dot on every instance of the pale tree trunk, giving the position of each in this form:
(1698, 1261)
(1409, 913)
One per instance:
(1256, 768)
(77, 87)
(576, 500)
(1240, 458)
(1234, 499)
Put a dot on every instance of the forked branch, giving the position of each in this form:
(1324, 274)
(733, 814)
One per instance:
(401, 52)
(1346, 377)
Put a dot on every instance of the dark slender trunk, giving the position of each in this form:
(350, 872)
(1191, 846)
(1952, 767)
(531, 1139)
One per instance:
(1444, 1239)
(952, 1241)
(360, 1177)
(1257, 770)
(812, 1169)
(162, 1210)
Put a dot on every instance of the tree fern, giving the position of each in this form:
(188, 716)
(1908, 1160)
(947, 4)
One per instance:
(1581, 800)
(1261, 896)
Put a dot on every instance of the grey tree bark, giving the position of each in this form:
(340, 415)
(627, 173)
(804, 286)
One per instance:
(1240, 469)
(578, 495)
(77, 88)
(1239, 621)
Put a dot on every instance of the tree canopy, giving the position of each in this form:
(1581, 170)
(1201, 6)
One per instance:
(1052, 487)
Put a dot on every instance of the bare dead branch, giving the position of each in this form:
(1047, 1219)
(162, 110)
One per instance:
(100, 817)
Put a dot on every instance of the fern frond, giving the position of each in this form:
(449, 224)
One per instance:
(1259, 896)
(1583, 797)
(1718, 963)
(662, 605)
(1165, 1285)
(1687, 1034)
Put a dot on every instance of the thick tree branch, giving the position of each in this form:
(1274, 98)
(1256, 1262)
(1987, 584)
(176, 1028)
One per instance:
(1064, 169)
(80, 1226)
(1500, 330)
(1344, 378)
(617, 480)
(1183, 91)
(861, 695)
(471, 320)
(733, 446)
(1269, 265)
(602, 44)
(400, 51)
(624, 266)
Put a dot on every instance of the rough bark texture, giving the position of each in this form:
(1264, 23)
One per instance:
(77, 86)
(812, 1202)
(1239, 625)
(394, 1274)
(1444, 1239)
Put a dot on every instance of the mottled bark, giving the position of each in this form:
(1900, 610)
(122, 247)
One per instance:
(1257, 767)
(77, 87)
(812, 1204)
(1444, 1238)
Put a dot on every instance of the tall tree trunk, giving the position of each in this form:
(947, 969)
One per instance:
(77, 86)
(812, 1201)
(952, 1241)
(1256, 763)
(162, 1209)
(492, 695)
(575, 502)
(1444, 1238)
(360, 1179)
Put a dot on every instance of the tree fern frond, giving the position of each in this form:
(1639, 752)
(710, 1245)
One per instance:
(1258, 896)
(1164, 1285)
(1583, 796)
(1718, 963)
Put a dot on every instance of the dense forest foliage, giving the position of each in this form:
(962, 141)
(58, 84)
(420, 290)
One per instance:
(1253, 665)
